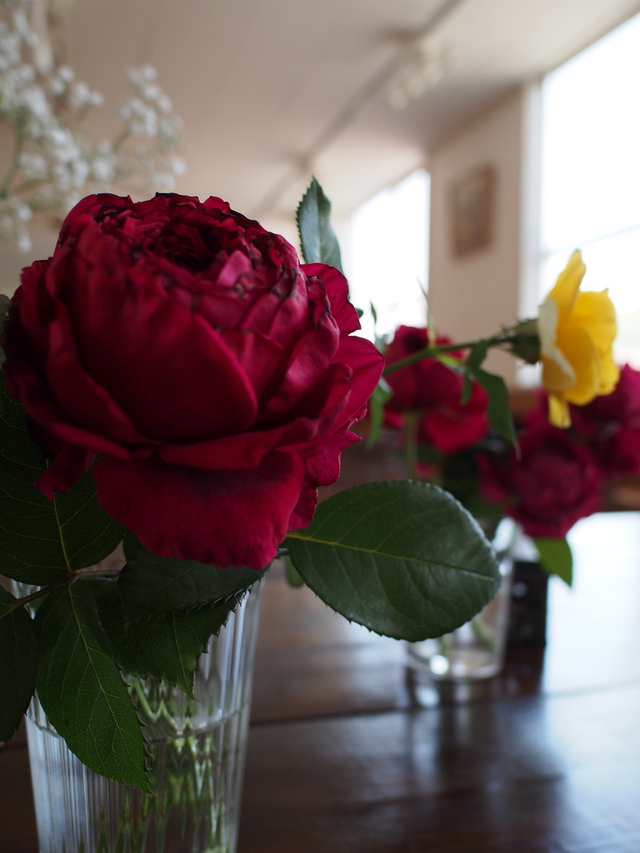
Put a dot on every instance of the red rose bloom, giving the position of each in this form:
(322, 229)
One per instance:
(453, 426)
(553, 484)
(213, 375)
(431, 387)
(611, 425)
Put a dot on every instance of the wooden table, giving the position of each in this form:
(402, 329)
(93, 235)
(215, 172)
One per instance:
(545, 757)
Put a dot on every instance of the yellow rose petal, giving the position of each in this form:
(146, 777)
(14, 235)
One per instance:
(583, 355)
(555, 377)
(567, 284)
(594, 312)
(576, 332)
(609, 376)
(559, 412)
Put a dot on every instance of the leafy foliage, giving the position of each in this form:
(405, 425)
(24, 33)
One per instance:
(150, 585)
(556, 557)
(18, 664)
(81, 690)
(377, 401)
(498, 411)
(291, 573)
(166, 646)
(317, 238)
(41, 540)
(402, 558)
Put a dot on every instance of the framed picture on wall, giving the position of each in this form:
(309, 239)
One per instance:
(472, 207)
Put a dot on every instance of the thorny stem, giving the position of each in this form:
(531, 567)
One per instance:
(503, 338)
(429, 351)
(27, 599)
(91, 571)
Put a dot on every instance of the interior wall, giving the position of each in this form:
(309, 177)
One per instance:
(472, 296)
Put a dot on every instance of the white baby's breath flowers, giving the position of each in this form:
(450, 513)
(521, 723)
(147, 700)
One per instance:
(54, 164)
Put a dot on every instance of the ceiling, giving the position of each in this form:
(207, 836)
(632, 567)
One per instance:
(273, 90)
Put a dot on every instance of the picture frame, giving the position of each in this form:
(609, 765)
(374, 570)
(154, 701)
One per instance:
(472, 208)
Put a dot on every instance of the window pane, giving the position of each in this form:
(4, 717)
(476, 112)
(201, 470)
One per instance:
(388, 258)
(591, 140)
(591, 175)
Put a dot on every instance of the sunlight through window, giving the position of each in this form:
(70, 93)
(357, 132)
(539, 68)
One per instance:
(388, 258)
(591, 174)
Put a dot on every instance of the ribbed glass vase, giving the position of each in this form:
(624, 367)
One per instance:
(197, 751)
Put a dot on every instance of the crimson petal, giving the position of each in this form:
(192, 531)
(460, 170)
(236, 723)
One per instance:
(64, 472)
(337, 289)
(219, 518)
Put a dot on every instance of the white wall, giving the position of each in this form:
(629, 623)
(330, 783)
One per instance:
(470, 297)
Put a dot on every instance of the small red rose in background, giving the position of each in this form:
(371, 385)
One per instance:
(432, 388)
(555, 481)
(611, 425)
(213, 375)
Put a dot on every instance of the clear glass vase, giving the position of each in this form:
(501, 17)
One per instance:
(476, 649)
(197, 751)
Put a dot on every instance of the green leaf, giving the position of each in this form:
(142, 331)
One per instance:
(377, 401)
(151, 585)
(81, 690)
(166, 647)
(18, 664)
(402, 558)
(556, 557)
(317, 239)
(42, 540)
(291, 573)
(87, 533)
(467, 388)
(498, 410)
(477, 355)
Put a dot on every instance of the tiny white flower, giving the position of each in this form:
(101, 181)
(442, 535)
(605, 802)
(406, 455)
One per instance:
(177, 165)
(24, 242)
(66, 73)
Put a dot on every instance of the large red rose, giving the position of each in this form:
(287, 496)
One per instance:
(431, 388)
(553, 483)
(213, 376)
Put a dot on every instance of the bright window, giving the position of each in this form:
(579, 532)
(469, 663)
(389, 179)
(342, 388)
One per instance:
(591, 174)
(387, 264)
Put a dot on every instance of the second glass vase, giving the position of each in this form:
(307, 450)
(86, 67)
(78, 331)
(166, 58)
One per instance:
(476, 649)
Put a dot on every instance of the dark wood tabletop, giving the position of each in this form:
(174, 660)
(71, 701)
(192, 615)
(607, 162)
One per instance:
(544, 758)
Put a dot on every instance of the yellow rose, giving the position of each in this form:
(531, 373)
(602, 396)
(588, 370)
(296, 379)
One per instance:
(576, 332)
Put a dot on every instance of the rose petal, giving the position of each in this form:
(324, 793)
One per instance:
(25, 385)
(337, 289)
(567, 285)
(302, 515)
(262, 360)
(323, 458)
(170, 371)
(366, 363)
(80, 396)
(582, 353)
(309, 361)
(67, 468)
(219, 518)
